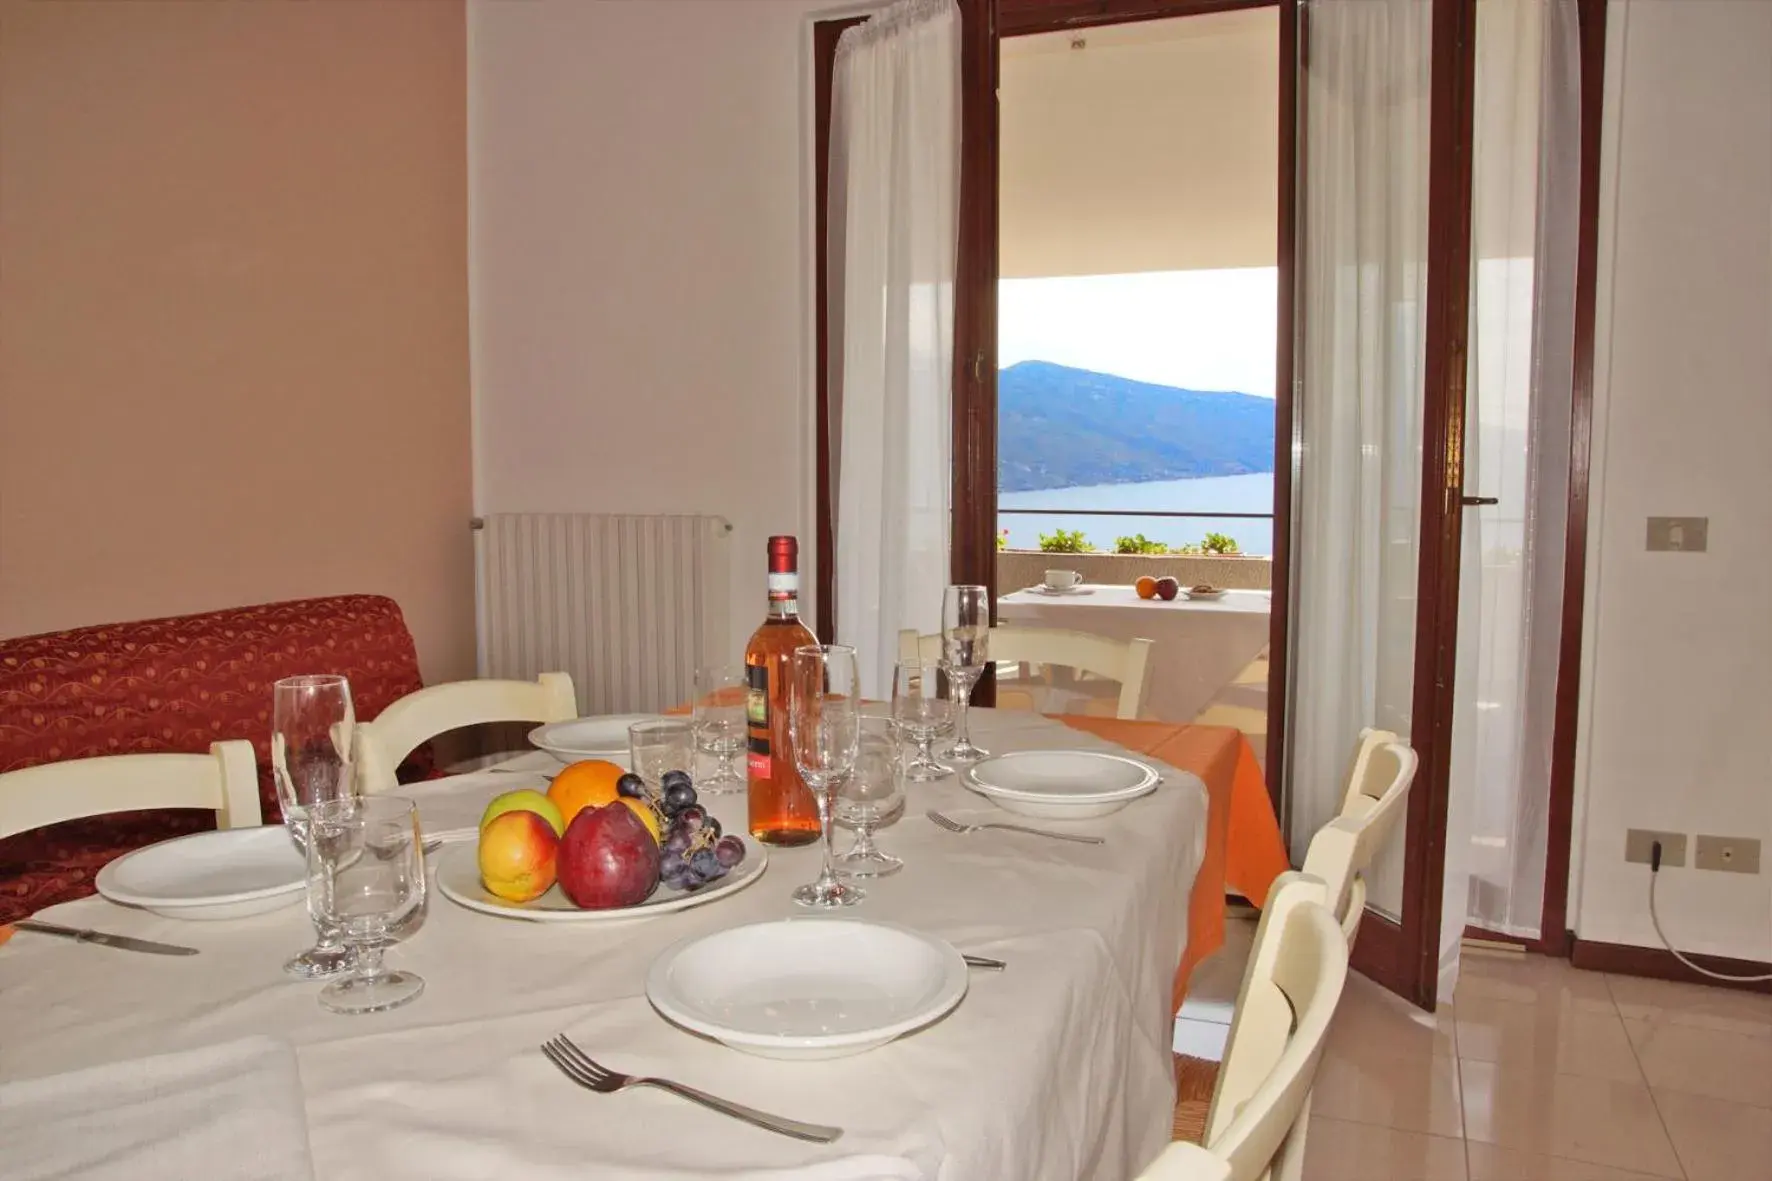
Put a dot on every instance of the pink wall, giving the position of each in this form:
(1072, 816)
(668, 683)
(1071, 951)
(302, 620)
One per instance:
(233, 311)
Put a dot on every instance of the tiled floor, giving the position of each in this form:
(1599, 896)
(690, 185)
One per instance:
(1540, 1072)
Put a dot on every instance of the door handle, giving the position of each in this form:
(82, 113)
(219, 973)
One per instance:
(1471, 501)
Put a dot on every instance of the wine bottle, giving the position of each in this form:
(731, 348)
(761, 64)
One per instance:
(782, 810)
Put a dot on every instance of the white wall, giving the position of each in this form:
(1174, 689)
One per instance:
(1677, 696)
(639, 195)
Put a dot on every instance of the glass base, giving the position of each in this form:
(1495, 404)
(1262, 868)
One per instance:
(371, 994)
(319, 963)
(829, 895)
(870, 863)
(720, 787)
(920, 770)
(964, 752)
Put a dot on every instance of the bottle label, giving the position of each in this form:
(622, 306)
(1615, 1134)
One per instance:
(757, 760)
(783, 587)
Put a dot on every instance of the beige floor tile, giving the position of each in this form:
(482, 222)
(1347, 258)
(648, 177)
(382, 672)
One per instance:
(1693, 1004)
(1558, 1037)
(1718, 1141)
(1541, 1113)
(1723, 1064)
(1489, 1163)
(1531, 979)
(1369, 1016)
(1336, 1150)
(1370, 1085)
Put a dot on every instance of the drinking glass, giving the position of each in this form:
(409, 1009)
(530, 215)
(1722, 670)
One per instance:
(313, 725)
(965, 650)
(824, 728)
(871, 798)
(922, 715)
(366, 875)
(720, 725)
(659, 747)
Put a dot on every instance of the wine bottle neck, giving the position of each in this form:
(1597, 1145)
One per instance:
(784, 594)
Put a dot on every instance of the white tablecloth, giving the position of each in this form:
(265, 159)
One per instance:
(1200, 646)
(1058, 1067)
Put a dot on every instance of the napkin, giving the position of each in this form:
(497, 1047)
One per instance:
(228, 1112)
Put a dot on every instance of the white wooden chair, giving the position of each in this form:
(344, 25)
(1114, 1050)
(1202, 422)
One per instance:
(1256, 1126)
(1122, 661)
(225, 779)
(419, 717)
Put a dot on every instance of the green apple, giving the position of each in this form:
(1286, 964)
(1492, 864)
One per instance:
(527, 800)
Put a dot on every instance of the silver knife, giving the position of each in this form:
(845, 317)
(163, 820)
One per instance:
(103, 938)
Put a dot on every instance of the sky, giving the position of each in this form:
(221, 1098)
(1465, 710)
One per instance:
(1201, 330)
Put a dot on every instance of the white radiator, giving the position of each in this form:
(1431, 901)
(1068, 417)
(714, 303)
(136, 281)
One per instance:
(628, 605)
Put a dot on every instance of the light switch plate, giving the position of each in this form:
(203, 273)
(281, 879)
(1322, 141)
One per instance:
(1638, 840)
(1688, 535)
(1729, 854)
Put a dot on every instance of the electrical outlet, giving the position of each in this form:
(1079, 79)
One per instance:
(1729, 854)
(1638, 840)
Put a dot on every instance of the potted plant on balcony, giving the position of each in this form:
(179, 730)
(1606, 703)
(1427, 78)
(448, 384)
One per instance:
(1221, 546)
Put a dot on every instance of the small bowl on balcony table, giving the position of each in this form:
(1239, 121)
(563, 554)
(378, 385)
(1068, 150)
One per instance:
(1205, 591)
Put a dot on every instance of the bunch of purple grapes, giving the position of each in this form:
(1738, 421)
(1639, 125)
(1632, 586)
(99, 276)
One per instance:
(695, 851)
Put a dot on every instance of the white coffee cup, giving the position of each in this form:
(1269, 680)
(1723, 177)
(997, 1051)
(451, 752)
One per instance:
(1062, 579)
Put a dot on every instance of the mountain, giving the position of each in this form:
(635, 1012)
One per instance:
(1059, 427)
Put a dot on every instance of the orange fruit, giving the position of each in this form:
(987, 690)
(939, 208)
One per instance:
(648, 816)
(586, 784)
(1146, 587)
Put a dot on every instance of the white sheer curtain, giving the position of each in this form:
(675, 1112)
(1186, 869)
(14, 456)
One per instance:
(1364, 286)
(894, 234)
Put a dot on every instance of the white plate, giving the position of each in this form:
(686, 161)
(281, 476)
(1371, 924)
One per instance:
(226, 874)
(1207, 596)
(588, 738)
(807, 987)
(1061, 592)
(458, 876)
(1061, 784)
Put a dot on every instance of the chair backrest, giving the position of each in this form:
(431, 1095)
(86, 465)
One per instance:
(1376, 799)
(1124, 661)
(1290, 988)
(421, 716)
(225, 779)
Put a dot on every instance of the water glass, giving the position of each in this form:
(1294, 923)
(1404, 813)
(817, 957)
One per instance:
(966, 651)
(313, 726)
(871, 798)
(922, 714)
(659, 747)
(720, 726)
(366, 875)
(824, 728)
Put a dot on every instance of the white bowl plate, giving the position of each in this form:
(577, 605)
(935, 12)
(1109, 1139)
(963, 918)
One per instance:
(226, 874)
(458, 876)
(603, 737)
(807, 987)
(1061, 784)
(1210, 596)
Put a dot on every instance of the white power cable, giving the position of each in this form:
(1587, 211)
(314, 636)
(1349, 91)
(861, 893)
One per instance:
(1654, 873)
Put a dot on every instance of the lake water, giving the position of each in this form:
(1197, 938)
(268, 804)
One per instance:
(1236, 494)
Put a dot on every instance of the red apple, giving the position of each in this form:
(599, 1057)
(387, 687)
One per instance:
(607, 858)
(1168, 588)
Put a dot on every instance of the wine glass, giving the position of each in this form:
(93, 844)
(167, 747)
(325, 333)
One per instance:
(871, 798)
(965, 650)
(720, 725)
(366, 875)
(824, 728)
(312, 728)
(922, 714)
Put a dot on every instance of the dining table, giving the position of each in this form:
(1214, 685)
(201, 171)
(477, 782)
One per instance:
(1058, 1066)
(1200, 645)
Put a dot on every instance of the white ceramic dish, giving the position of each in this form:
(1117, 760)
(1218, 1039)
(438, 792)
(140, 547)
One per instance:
(227, 874)
(458, 877)
(603, 737)
(1065, 593)
(807, 987)
(1205, 596)
(1061, 784)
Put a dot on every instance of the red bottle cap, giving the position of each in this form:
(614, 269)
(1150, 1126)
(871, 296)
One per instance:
(784, 555)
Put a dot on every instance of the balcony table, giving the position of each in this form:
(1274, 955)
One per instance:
(1058, 1067)
(1201, 645)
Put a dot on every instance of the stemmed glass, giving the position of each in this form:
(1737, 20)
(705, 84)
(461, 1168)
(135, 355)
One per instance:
(922, 714)
(366, 875)
(965, 650)
(871, 798)
(824, 727)
(313, 725)
(720, 725)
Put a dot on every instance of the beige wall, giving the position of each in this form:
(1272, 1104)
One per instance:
(233, 311)
(1677, 691)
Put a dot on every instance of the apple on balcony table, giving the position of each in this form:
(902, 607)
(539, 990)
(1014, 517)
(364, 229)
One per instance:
(1167, 588)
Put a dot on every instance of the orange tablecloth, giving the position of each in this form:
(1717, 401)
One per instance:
(1244, 849)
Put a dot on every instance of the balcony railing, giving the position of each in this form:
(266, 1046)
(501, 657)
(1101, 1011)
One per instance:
(1124, 512)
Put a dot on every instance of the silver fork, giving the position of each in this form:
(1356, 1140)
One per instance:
(578, 1066)
(953, 825)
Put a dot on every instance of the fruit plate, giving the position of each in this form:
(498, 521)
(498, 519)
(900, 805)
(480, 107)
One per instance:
(458, 876)
(1061, 784)
(603, 737)
(1209, 596)
(807, 987)
(227, 874)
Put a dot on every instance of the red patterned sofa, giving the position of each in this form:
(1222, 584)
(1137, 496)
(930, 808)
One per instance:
(172, 686)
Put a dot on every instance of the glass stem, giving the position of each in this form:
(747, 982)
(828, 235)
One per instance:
(824, 826)
(367, 958)
(964, 703)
